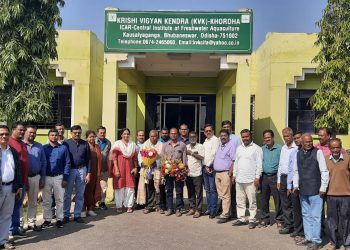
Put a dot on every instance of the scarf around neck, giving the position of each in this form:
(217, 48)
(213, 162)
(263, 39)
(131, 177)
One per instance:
(127, 150)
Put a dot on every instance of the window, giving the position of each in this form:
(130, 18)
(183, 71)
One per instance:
(252, 113)
(122, 98)
(301, 116)
(61, 108)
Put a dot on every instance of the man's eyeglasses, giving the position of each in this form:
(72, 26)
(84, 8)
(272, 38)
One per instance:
(208, 131)
(4, 134)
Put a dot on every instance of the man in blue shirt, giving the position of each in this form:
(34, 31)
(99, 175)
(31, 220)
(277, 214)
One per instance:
(271, 158)
(37, 173)
(164, 135)
(79, 176)
(236, 141)
(183, 130)
(57, 174)
(105, 146)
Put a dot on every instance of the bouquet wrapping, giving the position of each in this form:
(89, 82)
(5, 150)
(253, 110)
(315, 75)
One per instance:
(175, 169)
(149, 157)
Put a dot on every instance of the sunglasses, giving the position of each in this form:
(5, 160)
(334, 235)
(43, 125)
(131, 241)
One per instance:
(208, 131)
(4, 134)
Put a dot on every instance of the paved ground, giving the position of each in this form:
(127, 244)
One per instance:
(154, 231)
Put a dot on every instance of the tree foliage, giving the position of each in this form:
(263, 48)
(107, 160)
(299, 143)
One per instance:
(333, 96)
(27, 43)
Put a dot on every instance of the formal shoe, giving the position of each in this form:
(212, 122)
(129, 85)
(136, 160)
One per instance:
(46, 224)
(65, 220)
(313, 246)
(218, 216)
(35, 228)
(79, 220)
(83, 214)
(293, 234)
(59, 224)
(146, 211)
(285, 230)
(102, 206)
(190, 212)
(330, 246)
(169, 212)
(206, 213)
(7, 246)
(263, 223)
(21, 233)
(212, 216)
(252, 225)
(197, 214)
(239, 223)
(222, 220)
(161, 211)
(178, 213)
(91, 213)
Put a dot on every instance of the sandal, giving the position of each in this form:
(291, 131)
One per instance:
(130, 210)
(119, 210)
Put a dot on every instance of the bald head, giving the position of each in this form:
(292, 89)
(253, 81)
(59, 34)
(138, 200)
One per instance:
(174, 134)
(153, 136)
(306, 142)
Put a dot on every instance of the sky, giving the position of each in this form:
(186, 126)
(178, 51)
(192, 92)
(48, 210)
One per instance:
(290, 16)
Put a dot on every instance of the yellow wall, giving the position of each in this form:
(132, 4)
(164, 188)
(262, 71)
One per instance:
(276, 63)
(80, 58)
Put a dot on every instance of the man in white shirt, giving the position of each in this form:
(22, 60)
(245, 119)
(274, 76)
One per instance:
(10, 185)
(194, 180)
(211, 145)
(282, 185)
(246, 174)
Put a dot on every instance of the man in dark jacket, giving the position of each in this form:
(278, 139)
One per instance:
(10, 185)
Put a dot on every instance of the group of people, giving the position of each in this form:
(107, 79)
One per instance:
(57, 168)
(300, 177)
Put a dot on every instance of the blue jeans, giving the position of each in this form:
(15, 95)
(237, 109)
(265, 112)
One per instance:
(169, 188)
(77, 179)
(311, 207)
(210, 190)
(16, 215)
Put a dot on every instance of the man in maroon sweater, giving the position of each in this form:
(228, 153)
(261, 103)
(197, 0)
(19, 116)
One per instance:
(15, 141)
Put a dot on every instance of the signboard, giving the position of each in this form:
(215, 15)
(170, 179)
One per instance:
(178, 32)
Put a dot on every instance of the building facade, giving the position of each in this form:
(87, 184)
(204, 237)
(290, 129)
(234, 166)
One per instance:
(269, 88)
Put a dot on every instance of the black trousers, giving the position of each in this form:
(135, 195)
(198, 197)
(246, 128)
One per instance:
(268, 188)
(338, 220)
(297, 215)
(286, 203)
(170, 183)
(162, 197)
(153, 198)
(137, 179)
(195, 192)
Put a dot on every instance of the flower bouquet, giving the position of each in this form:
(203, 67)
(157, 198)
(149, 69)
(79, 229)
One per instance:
(149, 156)
(175, 169)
